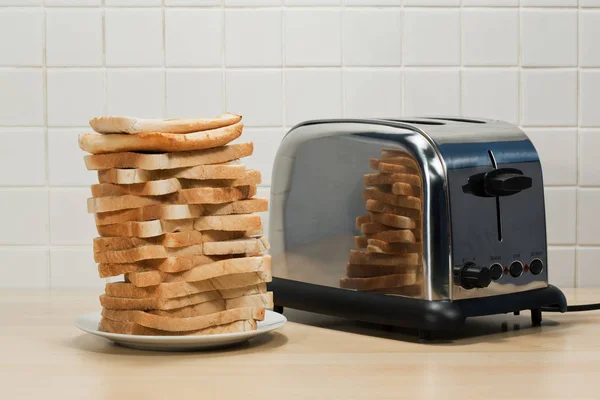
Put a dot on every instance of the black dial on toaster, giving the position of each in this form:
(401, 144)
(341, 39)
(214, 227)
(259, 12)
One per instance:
(470, 276)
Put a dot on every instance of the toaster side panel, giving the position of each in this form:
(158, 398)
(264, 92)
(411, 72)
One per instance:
(337, 222)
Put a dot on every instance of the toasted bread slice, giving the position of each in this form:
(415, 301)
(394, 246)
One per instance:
(147, 252)
(390, 179)
(185, 196)
(409, 167)
(159, 141)
(360, 242)
(178, 239)
(131, 328)
(237, 246)
(368, 271)
(379, 246)
(385, 281)
(362, 219)
(395, 221)
(381, 207)
(398, 157)
(182, 211)
(171, 264)
(391, 199)
(263, 300)
(368, 258)
(173, 324)
(230, 170)
(132, 125)
(146, 229)
(181, 159)
(395, 236)
(207, 271)
(228, 286)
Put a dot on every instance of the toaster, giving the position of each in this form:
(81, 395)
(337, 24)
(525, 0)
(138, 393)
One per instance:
(414, 222)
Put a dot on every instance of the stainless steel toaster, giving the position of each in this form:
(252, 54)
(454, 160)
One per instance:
(415, 222)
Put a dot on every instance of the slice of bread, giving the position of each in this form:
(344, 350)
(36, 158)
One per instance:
(237, 222)
(360, 242)
(177, 303)
(380, 246)
(152, 188)
(153, 212)
(398, 157)
(181, 159)
(171, 185)
(227, 266)
(147, 252)
(385, 281)
(185, 324)
(205, 195)
(408, 166)
(262, 300)
(157, 303)
(368, 258)
(178, 239)
(237, 246)
(146, 229)
(395, 236)
(368, 271)
(405, 189)
(182, 211)
(251, 177)
(230, 170)
(372, 193)
(395, 221)
(362, 219)
(131, 328)
(158, 141)
(171, 264)
(185, 196)
(114, 124)
(390, 179)
(228, 286)
(381, 207)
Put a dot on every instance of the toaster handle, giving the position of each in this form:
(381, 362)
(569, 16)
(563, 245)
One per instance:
(496, 183)
(505, 181)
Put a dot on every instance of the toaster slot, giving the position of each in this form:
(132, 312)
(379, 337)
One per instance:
(498, 215)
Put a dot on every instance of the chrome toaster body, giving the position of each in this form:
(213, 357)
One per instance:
(316, 197)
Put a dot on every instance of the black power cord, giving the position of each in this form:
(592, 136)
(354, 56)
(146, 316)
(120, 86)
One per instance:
(577, 308)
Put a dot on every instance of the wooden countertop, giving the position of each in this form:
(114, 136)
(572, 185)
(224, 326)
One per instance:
(43, 356)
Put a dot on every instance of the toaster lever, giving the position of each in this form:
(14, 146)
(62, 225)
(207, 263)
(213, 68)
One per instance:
(496, 183)
(505, 181)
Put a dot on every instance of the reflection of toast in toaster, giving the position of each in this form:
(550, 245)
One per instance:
(388, 259)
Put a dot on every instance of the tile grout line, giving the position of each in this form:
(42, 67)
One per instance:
(46, 147)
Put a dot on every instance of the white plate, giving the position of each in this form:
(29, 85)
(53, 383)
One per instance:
(89, 323)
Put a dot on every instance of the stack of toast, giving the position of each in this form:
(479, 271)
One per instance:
(389, 252)
(175, 212)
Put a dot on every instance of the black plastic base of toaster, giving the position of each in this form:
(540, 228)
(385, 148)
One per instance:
(426, 316)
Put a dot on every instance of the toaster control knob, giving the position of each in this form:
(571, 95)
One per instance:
(471, 276)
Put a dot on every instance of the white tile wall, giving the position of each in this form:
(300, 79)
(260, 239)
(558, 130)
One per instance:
(535, 63)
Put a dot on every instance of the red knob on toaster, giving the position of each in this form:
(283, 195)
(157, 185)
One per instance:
(471, 275)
